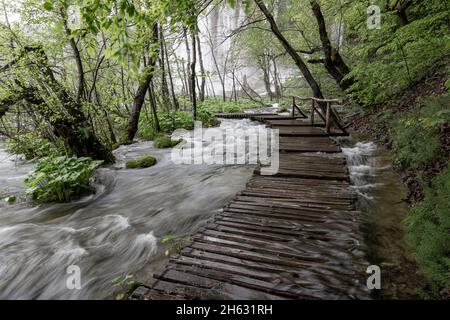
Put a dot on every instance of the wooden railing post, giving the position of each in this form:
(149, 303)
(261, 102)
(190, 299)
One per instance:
(327, 117)
(312, 112)
(293, 106)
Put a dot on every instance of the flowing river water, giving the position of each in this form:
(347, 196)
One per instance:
(118, 230)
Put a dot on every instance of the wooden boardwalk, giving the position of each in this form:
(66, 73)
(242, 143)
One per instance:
(295, 235)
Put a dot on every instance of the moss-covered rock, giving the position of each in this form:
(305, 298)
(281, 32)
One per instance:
(143, 162)
(164, 141)
(11, 199)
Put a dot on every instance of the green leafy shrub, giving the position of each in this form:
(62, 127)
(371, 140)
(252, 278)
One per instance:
(146, 130)
(170, 121)
(428, 228)
(163, 141)
(143, 162)
(207, 117)
(60, 179)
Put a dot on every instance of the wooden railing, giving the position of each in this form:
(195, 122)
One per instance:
(326, 105)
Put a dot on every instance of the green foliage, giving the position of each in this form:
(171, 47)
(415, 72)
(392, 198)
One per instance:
(32, 146)
(428, 228)
(447, 84)
(392, 58)
(60, 179)
(176, 244)
(213, 106)
(170, 121)
(143, 162)
(127, 284)
(415, 139)
(163, 141)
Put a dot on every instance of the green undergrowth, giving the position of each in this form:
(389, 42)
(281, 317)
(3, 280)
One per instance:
(414, 135)
(428, 232)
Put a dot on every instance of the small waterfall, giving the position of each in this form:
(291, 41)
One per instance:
(380, 193)
(361, 172)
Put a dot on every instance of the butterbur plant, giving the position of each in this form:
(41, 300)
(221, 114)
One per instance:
(60, 179)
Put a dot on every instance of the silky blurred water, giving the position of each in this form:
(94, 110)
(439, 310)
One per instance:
(115, 231)
(118, 230)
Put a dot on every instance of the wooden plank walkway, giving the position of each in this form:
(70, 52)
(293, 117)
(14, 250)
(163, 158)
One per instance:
(294, 235)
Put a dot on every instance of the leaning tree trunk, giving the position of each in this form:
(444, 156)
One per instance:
(290, 50)
(295, 56)
(74, 127)
(333, 61)
(139, 97)
(162, 64)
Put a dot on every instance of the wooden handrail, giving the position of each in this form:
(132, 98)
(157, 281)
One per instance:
(295, 107)
(329, 117)
(318, 100)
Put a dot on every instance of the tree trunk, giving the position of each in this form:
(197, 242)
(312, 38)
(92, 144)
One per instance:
(151, 95)
(202, 70)
(77, 57)
(162, 64)
(139, 97)
(193, 76)
(169, 71)
(334, 63)
(400, 11)
(278, 93)
(188, 54)
(266, 76)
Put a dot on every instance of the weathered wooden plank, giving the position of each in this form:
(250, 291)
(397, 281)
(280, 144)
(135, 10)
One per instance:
(292, 235)
(186, 281)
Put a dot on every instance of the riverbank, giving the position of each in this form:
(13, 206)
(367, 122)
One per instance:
(415, 128)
